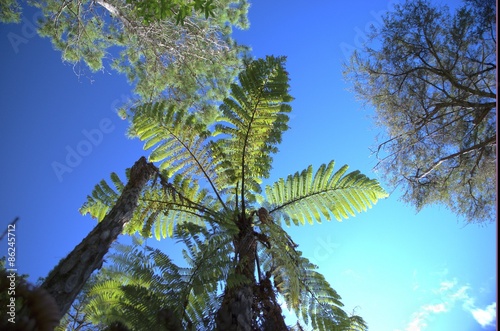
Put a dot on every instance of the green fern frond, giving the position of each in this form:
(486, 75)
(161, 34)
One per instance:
(102, 296)
(208, 254)
(303, 197)
(178, 140)
(142, 281)
(102, 198)
(254, 118)
(128, 290)
(163, 206)
(160, 208)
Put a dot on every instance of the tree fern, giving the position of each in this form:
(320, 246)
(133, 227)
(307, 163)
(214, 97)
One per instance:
(238, 258)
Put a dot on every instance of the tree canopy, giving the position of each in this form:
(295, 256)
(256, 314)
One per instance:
(10, 11)
(152, 10)
(182, 50)
(430, 76)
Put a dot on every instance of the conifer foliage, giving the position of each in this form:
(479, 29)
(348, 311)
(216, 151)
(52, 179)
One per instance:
(176, 48)
(241, 264)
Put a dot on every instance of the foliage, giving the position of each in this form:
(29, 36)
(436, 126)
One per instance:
(206, 196)
(186, 63)
(149, 291)
(76, 319)
(431, 77)
(10, 11)
(152, 10)
(312, 198)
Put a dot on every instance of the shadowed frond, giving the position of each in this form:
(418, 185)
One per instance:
(303, 196)
(129, 291)
(304, 290)
(143, 283)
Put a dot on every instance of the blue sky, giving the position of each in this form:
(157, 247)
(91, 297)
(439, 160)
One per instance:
(399, 270)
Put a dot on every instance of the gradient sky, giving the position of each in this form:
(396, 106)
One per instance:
(399, 270)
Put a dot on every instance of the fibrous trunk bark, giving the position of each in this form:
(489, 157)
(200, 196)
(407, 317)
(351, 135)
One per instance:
(66, 280)
(243, 306)
(272, 316)
(235, 313)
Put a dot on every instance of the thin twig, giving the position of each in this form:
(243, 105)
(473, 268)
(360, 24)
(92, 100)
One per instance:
(10, 224)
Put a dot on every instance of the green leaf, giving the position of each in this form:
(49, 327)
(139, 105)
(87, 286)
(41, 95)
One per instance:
(328, 194)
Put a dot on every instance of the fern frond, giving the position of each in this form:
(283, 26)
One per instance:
(254, 118)
(129, 290)
(303, 197)
(160, 207)
(178, 140)
(208, 254)
(102, 198)
(164, 206)
(304, 290)
(141, 282)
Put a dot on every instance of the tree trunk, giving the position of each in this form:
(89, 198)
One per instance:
(268, 304)
(251, 306)
(235, 313)
(66, 280)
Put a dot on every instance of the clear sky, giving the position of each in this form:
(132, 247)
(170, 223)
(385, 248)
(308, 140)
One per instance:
(399, 270)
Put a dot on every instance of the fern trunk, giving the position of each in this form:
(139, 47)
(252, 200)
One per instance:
(272, 316)
(235, 313)
(66, 280)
